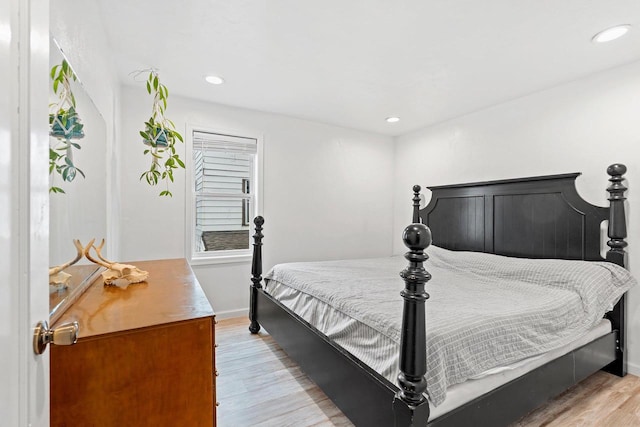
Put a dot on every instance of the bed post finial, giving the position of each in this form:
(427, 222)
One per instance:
(617, 231)
(410, 406)
(256, 275)
(416, 204)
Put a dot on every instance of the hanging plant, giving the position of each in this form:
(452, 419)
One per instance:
(65, 125)
(160, 136)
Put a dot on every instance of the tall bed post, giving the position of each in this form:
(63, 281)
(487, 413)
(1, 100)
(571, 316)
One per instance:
(256, 275)
(416, 204)
(617, 233)
(410, 406)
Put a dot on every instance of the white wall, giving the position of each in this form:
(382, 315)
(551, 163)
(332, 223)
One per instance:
(583, 126)
(327, 192)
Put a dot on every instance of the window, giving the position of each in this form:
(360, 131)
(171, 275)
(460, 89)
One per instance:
(224, 194)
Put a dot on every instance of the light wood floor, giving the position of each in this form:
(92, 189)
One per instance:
(259, 385)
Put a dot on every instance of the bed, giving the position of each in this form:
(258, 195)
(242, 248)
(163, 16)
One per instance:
(528, 218)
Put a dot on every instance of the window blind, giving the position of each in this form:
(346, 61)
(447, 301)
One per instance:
(214, 141)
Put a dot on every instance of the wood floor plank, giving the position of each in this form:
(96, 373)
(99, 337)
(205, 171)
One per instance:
(306, 416)
(259, 385)
(627, 414)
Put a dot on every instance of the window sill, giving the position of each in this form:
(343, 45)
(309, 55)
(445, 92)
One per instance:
(221, 259)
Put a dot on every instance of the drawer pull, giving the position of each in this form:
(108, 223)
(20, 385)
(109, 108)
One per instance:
(217, 403)
(217, 373)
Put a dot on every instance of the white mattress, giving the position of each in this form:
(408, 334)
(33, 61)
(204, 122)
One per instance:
(359, 339)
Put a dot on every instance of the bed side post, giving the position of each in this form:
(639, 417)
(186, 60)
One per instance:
(416, 205)
(256, 275)
(410, 406)
(617, 233)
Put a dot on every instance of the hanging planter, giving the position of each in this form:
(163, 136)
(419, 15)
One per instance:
(157, 137)
(160, 136)
(65, 126)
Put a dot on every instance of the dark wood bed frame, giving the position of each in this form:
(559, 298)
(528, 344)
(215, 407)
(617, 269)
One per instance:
(537, 217)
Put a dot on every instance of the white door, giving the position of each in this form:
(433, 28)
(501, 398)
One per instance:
(24, 210)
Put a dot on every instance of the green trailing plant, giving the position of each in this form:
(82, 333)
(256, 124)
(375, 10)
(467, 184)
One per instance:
(160, 136)
(64, 125)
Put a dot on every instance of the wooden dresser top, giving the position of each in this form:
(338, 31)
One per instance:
(170, 294)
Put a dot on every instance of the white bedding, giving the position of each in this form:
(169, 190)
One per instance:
(534, 307)
(342, 329)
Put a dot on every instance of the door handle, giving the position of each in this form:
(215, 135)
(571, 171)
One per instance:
(66, 334)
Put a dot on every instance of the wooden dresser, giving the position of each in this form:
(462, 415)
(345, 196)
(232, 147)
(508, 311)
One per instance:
(145, 354)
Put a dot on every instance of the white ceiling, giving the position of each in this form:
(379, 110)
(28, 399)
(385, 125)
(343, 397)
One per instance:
(354, 62)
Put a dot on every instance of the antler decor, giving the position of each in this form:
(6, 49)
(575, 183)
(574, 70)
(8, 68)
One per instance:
(57, 277)
(115, 271)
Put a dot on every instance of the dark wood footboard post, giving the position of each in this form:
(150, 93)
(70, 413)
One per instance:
(416, 204)
(617, 233)
(256, 275)
(410, 406)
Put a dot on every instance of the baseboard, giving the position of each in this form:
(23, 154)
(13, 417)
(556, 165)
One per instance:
(633, 369)
(242, 312)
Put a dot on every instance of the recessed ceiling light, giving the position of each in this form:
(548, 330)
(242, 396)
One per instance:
(611, 33)
(392, 119)
(214, 80)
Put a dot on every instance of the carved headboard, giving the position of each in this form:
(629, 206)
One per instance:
(536, 217)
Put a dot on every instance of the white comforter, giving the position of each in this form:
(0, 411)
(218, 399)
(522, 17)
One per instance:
(484, 310)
